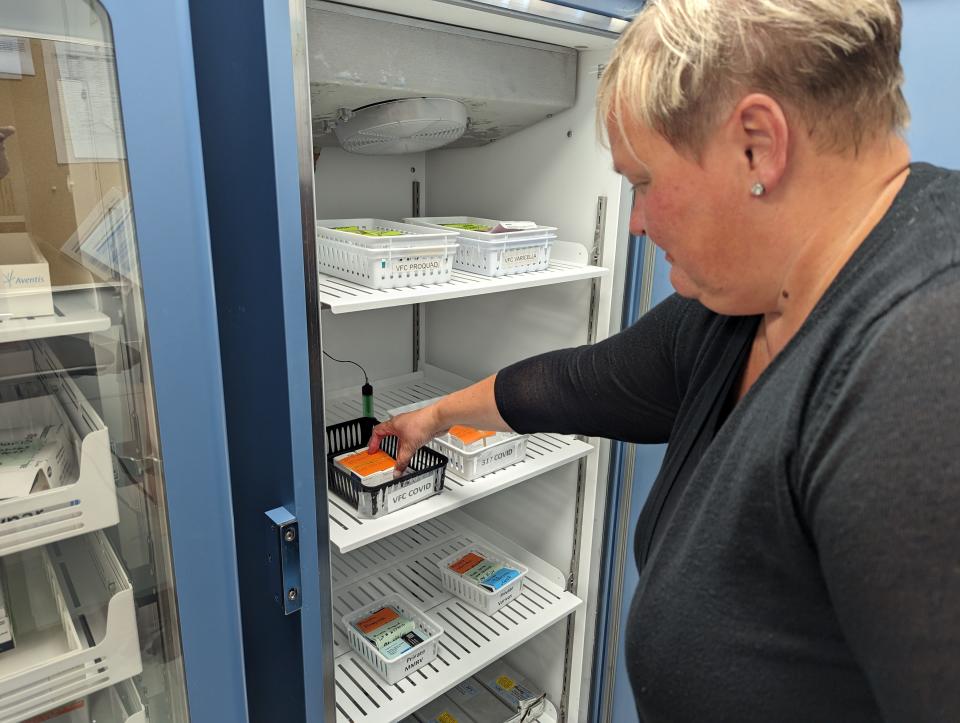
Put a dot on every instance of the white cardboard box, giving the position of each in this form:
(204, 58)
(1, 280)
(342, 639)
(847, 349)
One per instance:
(24, 278)
(33, 460)
(513, 690)
(442, 710)
(7, 641)
(480, 705)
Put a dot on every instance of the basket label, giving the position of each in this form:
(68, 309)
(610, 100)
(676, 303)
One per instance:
(398, 499)
(406, 266)
(512, 258)
(502, 454)
(413, 662)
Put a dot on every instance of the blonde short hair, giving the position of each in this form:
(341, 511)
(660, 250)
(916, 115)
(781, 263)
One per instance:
(834, 63)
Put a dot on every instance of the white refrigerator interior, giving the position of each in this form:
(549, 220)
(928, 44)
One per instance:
(420, 342)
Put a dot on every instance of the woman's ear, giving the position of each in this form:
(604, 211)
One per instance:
(760, 128)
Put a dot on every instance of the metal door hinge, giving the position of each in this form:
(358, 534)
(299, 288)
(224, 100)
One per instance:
(283, 559)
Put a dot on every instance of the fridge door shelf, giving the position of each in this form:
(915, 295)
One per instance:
(567, 263)
(73, 313)
(120, 703)
(407, 564)
(544, 452)
(73, 509)
(96, 644)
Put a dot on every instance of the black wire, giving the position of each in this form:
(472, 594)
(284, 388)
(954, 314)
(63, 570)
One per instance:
(366, 379)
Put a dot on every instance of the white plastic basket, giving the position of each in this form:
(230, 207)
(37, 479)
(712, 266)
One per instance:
(496, 254)
(471, 592)
(89, 501)
(401, 666)
(93, 626)
(470, 465)
(411, 235)
(507, 450)
(418, 256)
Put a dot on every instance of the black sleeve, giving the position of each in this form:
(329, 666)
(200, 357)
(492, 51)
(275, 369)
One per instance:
(627, 387)
(880, 488)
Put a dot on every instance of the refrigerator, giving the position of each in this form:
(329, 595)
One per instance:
(276, 83)
(118, 582)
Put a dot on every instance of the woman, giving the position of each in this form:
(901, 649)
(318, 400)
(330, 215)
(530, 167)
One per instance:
(800, 551)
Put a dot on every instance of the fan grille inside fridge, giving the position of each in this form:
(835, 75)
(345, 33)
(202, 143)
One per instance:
(411, 125)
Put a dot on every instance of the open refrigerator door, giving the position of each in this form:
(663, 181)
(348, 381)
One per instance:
(89, 625)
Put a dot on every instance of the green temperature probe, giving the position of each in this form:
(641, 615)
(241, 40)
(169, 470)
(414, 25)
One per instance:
(366, 393)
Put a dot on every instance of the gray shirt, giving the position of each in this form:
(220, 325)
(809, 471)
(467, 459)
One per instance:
(800, 550)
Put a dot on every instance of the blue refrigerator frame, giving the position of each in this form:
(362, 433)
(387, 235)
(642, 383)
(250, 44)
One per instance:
(155, 70)
(258, 189)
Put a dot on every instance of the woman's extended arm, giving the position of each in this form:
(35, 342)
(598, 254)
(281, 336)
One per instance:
(628, 387)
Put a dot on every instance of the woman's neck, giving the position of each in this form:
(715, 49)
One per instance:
(848, 197)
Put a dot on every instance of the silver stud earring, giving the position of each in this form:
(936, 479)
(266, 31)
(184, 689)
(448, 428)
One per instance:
(758, 189)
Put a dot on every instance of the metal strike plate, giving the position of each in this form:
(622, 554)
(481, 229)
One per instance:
(283, 559)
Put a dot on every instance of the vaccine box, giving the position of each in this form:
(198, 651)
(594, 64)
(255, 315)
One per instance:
(368, 469)
(513, 690)
(7, 641)
(24, 278)
(33, 460)
(441, 710)
(480, 705)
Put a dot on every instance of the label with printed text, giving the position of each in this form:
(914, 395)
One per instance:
(416, 266)
(515, 258)
(397, 499)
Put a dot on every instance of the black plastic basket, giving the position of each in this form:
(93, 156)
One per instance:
(375, 501)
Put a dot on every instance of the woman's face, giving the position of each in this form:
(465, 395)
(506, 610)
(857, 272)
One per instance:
(696, 212)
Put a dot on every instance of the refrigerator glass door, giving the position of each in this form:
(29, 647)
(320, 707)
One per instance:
(88, 610)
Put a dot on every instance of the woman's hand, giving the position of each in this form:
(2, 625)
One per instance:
(413, 430)
(475, 406)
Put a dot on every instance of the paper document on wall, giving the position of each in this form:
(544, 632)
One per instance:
(90, 102)
(15, 58)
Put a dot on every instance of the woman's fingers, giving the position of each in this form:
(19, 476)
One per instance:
(411, 431)
(404, 455)
(379, 432)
